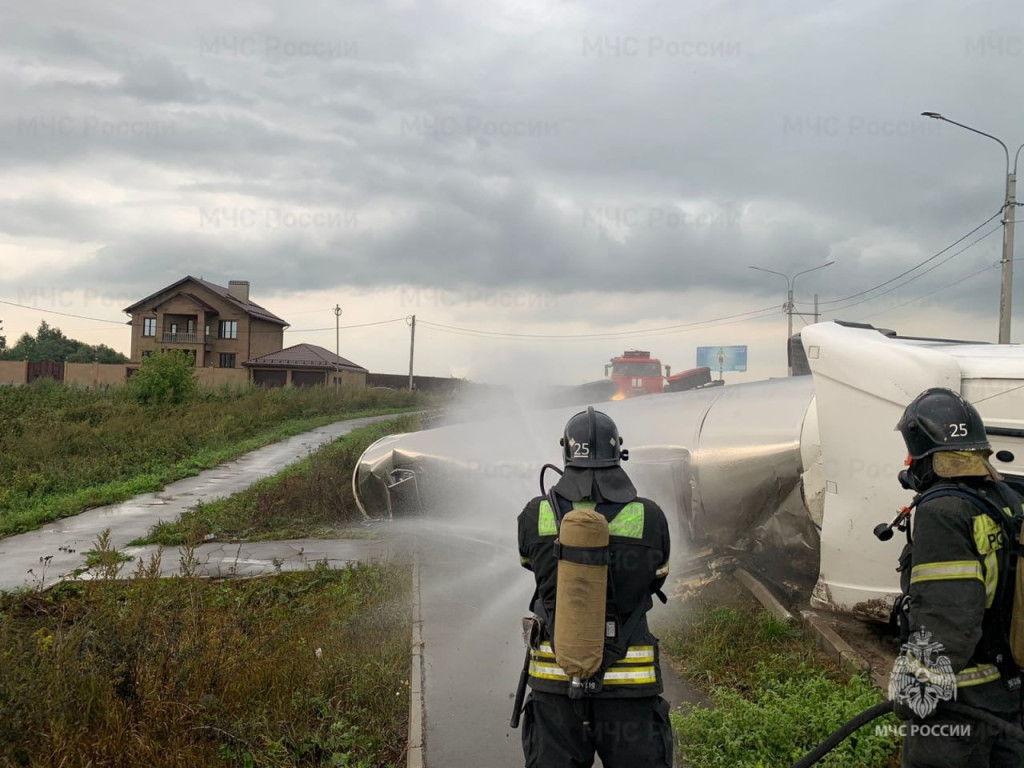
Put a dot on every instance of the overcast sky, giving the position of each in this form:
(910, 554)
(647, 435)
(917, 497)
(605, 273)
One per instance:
(542, 167)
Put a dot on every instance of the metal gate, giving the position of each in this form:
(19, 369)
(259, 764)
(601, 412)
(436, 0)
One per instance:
(270, 378)
(307, 378)
(45, 369)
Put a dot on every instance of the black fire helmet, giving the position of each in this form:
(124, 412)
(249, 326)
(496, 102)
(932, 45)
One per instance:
(592, 441)
(941, 420)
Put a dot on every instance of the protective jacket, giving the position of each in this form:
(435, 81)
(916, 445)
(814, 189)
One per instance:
(638, 567)
(960, 591)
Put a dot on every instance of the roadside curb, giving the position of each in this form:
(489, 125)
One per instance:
(416, 748)
(762, 594)
(833, 645)
(826, 638)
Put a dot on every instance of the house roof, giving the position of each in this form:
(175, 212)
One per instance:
(249, 307)
(304, 356)
(204, 304)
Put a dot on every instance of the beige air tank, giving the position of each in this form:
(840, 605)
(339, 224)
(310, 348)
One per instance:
(580, 596)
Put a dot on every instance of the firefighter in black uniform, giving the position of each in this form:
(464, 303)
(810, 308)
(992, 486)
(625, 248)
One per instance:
(620, 713)
(957, 591)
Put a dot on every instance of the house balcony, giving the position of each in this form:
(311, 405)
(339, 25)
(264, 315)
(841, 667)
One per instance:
(169, 337)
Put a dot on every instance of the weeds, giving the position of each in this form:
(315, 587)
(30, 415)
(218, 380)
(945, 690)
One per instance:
(772, 696)
(64, 449)
(311, 498)
(306, 668)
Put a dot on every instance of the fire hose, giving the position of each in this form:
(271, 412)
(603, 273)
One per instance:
(873, 713)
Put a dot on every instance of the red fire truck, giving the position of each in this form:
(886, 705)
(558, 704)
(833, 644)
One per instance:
(636, 373)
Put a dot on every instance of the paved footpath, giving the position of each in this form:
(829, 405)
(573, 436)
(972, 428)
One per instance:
(23, 557)
(473, 594)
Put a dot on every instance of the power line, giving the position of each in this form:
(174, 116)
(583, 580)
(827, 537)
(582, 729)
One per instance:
(939, 290)
(740, 317)
(916, 266)
(359, 325)
(64, 314)
(127, 322)
(922, 274)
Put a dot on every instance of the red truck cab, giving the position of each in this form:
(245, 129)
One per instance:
(635, 373)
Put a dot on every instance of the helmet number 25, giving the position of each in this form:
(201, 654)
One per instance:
(581, 450)
(958, 430)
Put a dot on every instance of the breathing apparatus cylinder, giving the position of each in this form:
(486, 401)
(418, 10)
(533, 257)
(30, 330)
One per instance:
(581, 592)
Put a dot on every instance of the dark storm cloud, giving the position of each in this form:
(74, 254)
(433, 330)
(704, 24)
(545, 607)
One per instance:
(563, 146)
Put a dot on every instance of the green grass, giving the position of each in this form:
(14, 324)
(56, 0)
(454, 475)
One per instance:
(772, 696)
(63, 450)
(311, 498)
(307, 668)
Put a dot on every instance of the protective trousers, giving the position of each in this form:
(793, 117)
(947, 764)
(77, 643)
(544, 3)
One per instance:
(950, 741)
(559, 732)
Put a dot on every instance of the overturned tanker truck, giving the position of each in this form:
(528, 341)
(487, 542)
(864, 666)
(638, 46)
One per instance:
(789, 476)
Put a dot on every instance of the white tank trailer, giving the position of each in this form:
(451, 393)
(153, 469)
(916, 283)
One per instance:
(790, 476)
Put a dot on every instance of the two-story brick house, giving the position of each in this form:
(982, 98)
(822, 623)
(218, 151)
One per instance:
(220, 327)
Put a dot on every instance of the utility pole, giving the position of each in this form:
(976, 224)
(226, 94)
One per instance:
(1009, 218)
(337, 344)
(789, 309)
(1006, 281)
(412, 346)
(816, 313)
(789, 319)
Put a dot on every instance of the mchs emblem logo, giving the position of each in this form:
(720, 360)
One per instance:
(921, 676)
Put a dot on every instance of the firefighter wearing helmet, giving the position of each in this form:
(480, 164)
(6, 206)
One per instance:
(598, 553)
(955, 611)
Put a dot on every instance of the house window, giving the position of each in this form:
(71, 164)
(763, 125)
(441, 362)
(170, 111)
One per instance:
(229, 329)
(149, 326)
(147, 353)
(227, 361)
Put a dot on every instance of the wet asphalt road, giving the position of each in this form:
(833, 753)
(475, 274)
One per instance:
(22, 557)
(473, 594)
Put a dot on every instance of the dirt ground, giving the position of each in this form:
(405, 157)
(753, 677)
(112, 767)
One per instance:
(872, 640)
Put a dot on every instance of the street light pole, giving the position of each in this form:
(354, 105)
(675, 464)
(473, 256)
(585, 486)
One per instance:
(789, 308)
(1009, 218)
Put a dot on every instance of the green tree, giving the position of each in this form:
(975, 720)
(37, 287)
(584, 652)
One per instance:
(50, 343)
(164, 378)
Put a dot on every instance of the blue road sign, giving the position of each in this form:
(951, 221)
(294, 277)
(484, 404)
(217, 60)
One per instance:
(722, 358)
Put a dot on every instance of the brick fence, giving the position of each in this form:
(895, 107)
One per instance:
(115, 374)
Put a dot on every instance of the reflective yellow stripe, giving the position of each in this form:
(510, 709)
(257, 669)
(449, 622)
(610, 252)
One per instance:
(625, 672)
(948, 569)
(983, 673)
(991, 577)
(639, 654)
(547, 671)
(545, 652)
(635, 653)
(630, 676)
(546, 525)
(629, 522)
